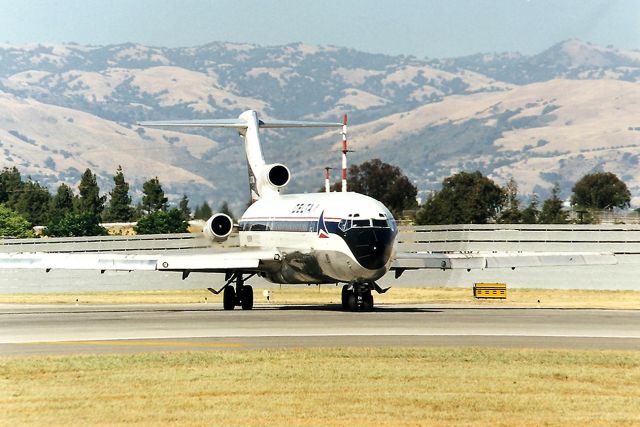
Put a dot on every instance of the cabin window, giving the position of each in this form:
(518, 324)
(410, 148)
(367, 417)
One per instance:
(291, 226)
(259, 227)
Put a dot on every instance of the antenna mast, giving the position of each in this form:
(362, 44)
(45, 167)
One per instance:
(344, 154)
(327, 183)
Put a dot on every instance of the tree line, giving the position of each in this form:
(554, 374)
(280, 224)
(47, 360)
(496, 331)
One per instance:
(472, 198)
(465, 198)
(67, 214)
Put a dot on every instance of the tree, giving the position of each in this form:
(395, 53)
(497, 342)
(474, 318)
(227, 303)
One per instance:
(383, 182)
(153, 198)
(465, 198)
(512, 214)
(600, 190)
(32, 202)
(162, 222)
(10, 184)
(552, 210)
(76, 225)
(12, 224)
(224, 208)
(203, 211)
(119, 208)
(90, 200)
(184, 207)
(531, 213)
(62, 202)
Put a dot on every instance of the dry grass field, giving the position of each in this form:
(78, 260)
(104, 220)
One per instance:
(320, 387)
(327, 294)
(339, 386)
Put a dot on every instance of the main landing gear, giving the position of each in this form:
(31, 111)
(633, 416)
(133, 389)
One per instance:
(241, 296)
(357, 296)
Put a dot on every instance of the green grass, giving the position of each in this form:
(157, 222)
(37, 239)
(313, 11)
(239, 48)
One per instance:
(363, 386)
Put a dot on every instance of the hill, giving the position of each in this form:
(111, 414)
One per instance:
(542, 118)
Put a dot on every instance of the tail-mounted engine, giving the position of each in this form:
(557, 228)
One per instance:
(276, 175)
(218, 227)
(267, 180)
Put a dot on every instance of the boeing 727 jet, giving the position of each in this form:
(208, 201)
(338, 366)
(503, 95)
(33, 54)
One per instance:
(335, 237)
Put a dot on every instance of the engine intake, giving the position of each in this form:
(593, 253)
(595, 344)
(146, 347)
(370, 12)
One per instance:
(218, 227)
(278, 175)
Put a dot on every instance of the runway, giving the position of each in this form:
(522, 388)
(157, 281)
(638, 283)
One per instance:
(64, 329)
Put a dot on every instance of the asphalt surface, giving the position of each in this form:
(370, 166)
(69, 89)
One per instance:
(64, 329)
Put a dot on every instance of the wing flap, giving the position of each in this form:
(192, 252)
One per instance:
(550, 259)
(212, 262)
(479, 260)
(66, 261)
(428, 260)
(242, 260)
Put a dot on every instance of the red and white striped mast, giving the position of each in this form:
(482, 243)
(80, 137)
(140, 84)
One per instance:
(327, 183)
(344, 154)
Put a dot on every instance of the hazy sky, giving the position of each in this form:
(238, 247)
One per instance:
(422, 28)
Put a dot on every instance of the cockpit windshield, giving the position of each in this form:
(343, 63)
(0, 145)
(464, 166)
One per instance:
(354, 221)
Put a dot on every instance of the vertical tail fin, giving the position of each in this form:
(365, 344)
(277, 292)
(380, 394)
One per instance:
(248, 126)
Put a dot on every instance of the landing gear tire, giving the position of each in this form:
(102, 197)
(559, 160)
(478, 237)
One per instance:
(229, 298)
(247, 297)
(352, 301)
(345, 296)
(367, 301)
(357, 297)
(238, 295)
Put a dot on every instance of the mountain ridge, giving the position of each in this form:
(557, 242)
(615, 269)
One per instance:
(500, 113)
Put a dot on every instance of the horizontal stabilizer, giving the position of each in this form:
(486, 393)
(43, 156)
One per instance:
(222, 123)
(238, 124)
(297, 124)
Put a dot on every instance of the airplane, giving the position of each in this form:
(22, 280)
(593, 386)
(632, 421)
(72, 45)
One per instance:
(315, 238)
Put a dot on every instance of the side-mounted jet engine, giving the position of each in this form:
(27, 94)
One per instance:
(218, 228)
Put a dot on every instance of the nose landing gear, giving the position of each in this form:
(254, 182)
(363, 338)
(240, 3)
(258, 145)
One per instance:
(357, 296)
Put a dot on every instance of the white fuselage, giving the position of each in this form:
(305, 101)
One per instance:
(323, 237)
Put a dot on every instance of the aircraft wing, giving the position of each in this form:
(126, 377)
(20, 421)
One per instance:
(247, 260)
(481, 260)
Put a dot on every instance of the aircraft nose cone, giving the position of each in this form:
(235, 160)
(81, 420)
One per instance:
(371, 246)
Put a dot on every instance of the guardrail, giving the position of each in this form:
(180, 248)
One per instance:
(621, 239)
(618, 238)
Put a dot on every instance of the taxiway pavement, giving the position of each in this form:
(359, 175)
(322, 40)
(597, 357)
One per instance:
(64, 329)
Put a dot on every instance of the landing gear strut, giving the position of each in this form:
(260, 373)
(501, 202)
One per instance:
(241, 296)
(357, 296)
